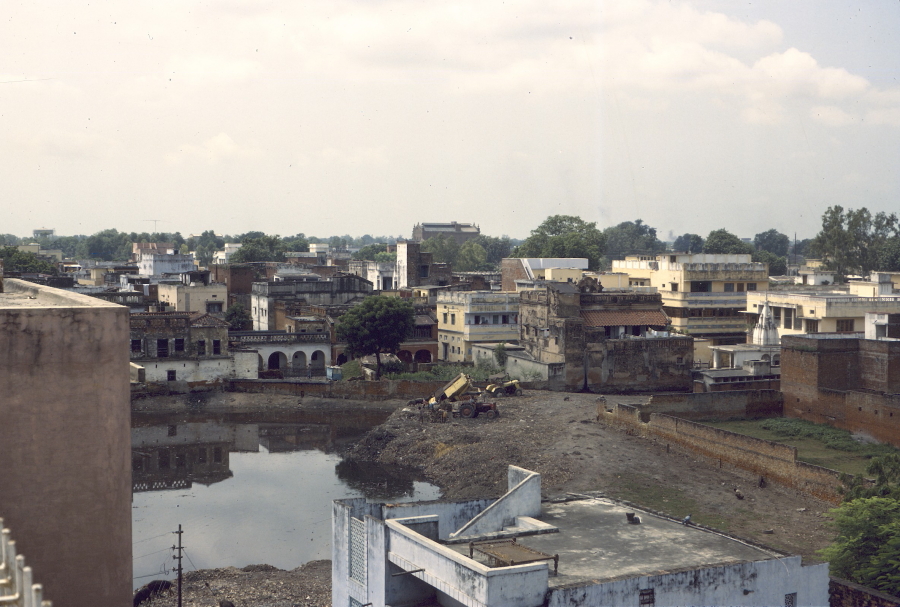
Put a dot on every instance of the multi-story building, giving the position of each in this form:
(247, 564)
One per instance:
(704, 295)
(610, 340)
(416, 268)
(65, 444)
(155, 263)
(822, 312)
(194, 297)
(379, 273)
(466, 318)
(460, 232)
(310, 289)
(530, 272)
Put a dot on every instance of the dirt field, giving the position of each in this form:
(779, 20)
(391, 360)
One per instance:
(555, 434)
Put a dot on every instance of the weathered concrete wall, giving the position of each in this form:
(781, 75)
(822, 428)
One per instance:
(843, 593)
(640, 365)
(65, 460)
(523, 498)
(774, 461)
(745, 404)
(383, 389)
(762, 583)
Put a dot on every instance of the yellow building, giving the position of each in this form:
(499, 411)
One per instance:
(835, 312)
(704, 295)
(471, 317)
(211, 298)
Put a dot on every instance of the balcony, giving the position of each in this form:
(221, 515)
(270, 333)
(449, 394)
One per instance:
(684, 299)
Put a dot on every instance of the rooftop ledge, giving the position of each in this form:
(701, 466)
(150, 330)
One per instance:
(23, 294)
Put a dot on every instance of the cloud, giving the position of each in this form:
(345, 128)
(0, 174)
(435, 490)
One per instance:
(210, 69)
(212, 151)
(832, 116)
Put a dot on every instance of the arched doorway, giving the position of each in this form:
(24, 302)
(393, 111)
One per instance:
(277, 360)
(405, 356)
(342, 359)
(317, 363)
(298, 361)
(423, 356)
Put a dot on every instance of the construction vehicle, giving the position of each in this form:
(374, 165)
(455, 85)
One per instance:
(503, 386)
(458, 397)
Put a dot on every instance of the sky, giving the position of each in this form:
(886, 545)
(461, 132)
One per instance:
(366, 117)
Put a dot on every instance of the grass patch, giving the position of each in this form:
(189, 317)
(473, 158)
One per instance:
(817, 444)
(351, 369)
(647, 492)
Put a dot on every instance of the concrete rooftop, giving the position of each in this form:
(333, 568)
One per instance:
(596, 543)
(22, 294)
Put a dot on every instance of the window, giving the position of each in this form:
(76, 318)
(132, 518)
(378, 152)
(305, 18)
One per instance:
(163, 459)
(453, 319)
(135, 345)
(137, 463)
(751, 286)
(173, 430)
(217, 455)
(790, 600)
(812, 326)
(213, 307)
(506, 319)
(788, 318)
(201, 455)
(445, 318)
(674, 286)
(162, 348)
(180, 460)
(844, 325)
(647, 597)
(740, 287)
(700, 286)
(423, 271)
(201, 348)
(729, 287)
(170, 375)
(179, 344)
(217, 346)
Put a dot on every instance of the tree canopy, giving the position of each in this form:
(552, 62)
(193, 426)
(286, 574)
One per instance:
(688, 243)
(631, 238)
(239, 318)
(471, 257)
(856, 242)
(444, 248)
(264, 248)
(15, 260)
(777, 265)
(724, 242)
(565, 236)
(376, 326)
(772, 241)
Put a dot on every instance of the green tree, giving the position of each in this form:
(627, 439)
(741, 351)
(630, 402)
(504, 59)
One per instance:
(378, 325)
(565, 236)
(106, 245)
(239, 318)
(495, 248)
(444, 248)
(298, 243)
(631, 238)
(777, 265)
(264, 248)
(772, 241)
(856, 242)
(867, 547)
(724, 242)
(688, 243)
(9, 240)
(472, 256)
(385, 257)
(501, 355)
(369, 251)
(15, 260)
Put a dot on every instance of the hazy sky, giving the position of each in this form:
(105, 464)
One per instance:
(333, 117)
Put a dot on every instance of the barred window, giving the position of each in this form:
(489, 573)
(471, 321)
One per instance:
(647, 598)
(790, 600)
(358, 550)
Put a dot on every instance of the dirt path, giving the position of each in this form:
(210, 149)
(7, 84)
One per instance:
(557, 435)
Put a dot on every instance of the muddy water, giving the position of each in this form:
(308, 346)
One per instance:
(248, 488)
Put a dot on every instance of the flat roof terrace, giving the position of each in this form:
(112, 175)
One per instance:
(22, 294)
(596, 543)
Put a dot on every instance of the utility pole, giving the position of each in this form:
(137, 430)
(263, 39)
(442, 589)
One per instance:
(178, 558)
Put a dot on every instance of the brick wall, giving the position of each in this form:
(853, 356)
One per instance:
(745, 404)
(511, 270)
(774, 461)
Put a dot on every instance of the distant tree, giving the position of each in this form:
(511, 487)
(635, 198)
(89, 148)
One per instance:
(385, 257)
(884, 470)
(106, 245)
(298, 243)
(867, 547)
(265, 248)
(376, 326)
(772, 241)
(565, 236)
(856, 242)
(369, 251)
(15, 260)
(631, 238)
(9, 240)
(777, 265)
(724, 242)
(688, 243)
(445, 249)
(495, 248)
(249, 236)
(472, 256)
(239, 318)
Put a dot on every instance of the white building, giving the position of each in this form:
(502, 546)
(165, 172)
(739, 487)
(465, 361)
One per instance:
(222, 257)
(170, 262)
(587, 552)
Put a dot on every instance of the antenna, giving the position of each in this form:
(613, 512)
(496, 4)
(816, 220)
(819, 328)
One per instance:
(155, 221)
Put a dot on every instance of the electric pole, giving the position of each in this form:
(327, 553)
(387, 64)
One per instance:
(178, 558)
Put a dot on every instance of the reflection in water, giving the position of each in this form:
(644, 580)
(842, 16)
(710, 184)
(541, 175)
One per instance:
(275, 507)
